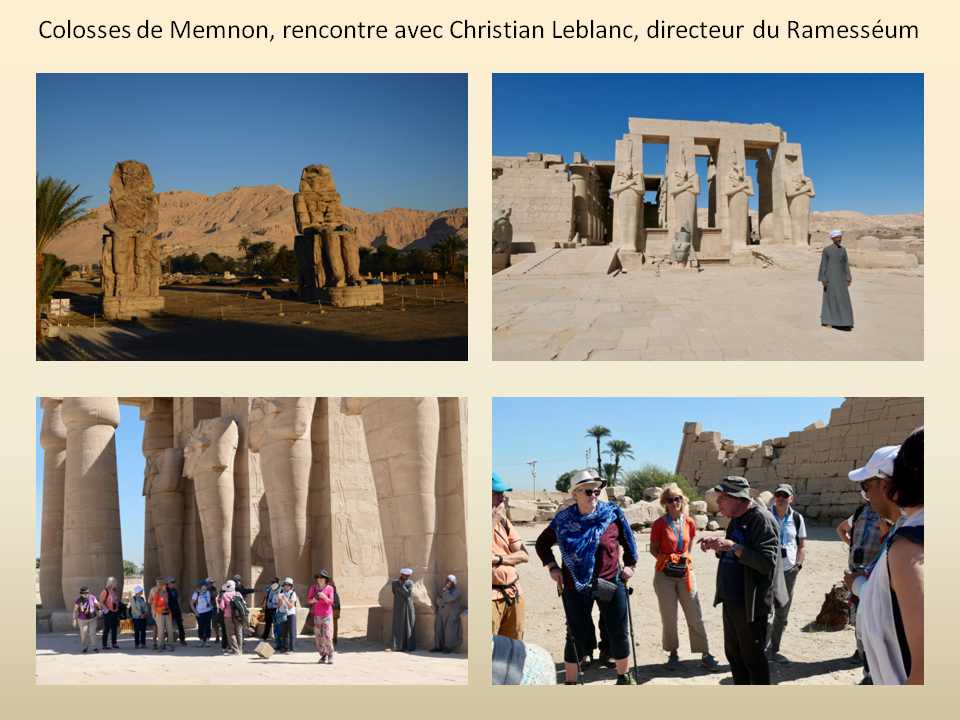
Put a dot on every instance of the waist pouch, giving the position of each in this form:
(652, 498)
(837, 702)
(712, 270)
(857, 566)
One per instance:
(676, 570)
(604, 590)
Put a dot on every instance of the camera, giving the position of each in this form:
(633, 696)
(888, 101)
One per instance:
(858, 556)
(783, 552)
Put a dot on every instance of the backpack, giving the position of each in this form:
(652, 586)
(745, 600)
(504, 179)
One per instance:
(239, 608)
(508, 659)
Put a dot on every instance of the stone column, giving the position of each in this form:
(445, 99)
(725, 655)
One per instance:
(580, 177)
(735, 188)
(157, 415)
(92, 549)
(628, 205)
(765, 197)
(782, 231)
(452, 494)
(248, 491)
(53, 440)
(280, 432)
(208, 461)
(163, 488)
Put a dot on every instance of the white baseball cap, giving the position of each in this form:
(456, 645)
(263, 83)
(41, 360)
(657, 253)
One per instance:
(880, 464)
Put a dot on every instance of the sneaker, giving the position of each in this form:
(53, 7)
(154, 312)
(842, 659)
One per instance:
(586, 661)
(605, 658)
(105, 647)
(84, 650)
(627, 679)
(780, 658)
(710, 663)
(116, 647)
(183, 642)
(855, 659)
(674, 662)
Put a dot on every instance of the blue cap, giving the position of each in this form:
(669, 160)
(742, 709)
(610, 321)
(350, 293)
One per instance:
(499, 485)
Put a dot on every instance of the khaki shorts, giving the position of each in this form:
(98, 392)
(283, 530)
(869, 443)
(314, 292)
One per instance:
(508, 621)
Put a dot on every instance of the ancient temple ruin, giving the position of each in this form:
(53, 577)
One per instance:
(326, 247)
(360, 487)
(130, 262)
(595, 202)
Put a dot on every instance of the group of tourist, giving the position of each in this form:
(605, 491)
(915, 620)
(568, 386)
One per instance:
(760, 559)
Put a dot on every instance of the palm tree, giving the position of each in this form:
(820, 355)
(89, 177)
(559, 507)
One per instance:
(447, 250)
(57, 211)
(619, 449)
(598, 432)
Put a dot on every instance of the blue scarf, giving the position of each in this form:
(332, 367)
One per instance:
(579, 537)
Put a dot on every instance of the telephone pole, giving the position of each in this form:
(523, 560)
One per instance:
(534, 471)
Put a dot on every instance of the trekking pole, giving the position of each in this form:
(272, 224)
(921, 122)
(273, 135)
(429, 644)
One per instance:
(633, 644)
(570, 639)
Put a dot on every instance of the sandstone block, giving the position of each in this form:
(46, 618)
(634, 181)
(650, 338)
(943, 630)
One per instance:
(766, 498)
(614, 492)
(652, 493)
(692, 428)
(745, 453)
(698, 507)
(643, 513)
(730, 448)
(701, 521)
(710, 498)
(713, 525)
(764, 451)
(710, 437)
(813, 511)
(819, 424)
(722, 522)
(521, 511)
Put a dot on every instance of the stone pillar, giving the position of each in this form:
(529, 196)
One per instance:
(163, 488)
(92, 549)
(158, 435)
(683, 184)
(628, 205)
(765, 197)
(248, 491)
(53, 440)
(782, 231)
(712, 190)
(452, 494)
(736, 188)
(280, 430)
(580, 177)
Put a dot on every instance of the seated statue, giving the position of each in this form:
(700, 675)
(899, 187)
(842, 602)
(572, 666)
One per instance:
(682, 253)
(502, 230)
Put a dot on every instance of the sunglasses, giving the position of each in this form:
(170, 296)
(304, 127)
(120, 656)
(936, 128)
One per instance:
(590, 493)
(675, 500)
(781, 496)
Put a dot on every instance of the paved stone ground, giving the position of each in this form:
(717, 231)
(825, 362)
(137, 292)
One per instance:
(357, 662)
(724, 313)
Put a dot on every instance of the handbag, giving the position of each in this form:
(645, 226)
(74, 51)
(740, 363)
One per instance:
(676, 570)
(604, 589)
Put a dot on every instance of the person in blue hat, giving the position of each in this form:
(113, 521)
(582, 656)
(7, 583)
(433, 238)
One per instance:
(508, 552)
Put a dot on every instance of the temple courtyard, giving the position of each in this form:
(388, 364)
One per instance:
(568, 307)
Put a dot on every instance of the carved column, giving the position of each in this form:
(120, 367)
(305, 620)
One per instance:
(682, 173)
(157, 416)
(452, 493)
(628, 205)
(53, 439)
(580, 177)
(92, 549)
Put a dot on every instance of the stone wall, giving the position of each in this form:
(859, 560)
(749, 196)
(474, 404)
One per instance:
(815, 460)
(541, 195)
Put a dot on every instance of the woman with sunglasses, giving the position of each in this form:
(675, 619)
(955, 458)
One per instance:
(673, 582)
(588, 533)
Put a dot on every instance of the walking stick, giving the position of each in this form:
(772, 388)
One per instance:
(570, 636)
(633, 644)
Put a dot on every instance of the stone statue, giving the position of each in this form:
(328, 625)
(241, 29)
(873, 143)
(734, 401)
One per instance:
(662, 204)
(502, 230)
(800, 185)
(130, 262)
(739, 187)
(326, 247)
(279, 429)
(628, 180)
(737, 179)
(682, 252)
(208, 459)
(683, 179)
(163, 488)
(799, 191)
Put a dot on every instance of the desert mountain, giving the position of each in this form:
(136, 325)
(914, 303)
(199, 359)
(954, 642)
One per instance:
(192, 222)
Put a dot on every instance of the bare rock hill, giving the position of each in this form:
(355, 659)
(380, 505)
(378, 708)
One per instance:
(193, 222)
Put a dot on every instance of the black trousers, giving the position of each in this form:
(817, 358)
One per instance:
(268, 614)
(744, 641)
(223, 631)
(111, 620)
(178, 621)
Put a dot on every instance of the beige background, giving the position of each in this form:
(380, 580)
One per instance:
(24, 54)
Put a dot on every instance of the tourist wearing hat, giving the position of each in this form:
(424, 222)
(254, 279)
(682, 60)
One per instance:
(403, 637)
(110, 602)
(836, 310)
(216, 620)
(160, 600)
(588, 533)
(86, 610)
(287, 599)
(202, 605)
(321, 601)
(793, 549)
(138, 613)
(671, 539)
(234, 626)
(447, 630)
(890, 615)
(269, 605)
(749, 580)
(508, 552)
(175, 612)
(279, 619)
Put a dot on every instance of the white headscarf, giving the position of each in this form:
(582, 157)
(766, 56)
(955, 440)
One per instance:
(836, 234)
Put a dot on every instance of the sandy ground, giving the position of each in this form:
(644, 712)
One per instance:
(356, 662)
(234, 323)
(816, 657)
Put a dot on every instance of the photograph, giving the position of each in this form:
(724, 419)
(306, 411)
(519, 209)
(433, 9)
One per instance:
(773, 523)
(252, 217)
(708, 217)
(246, 540)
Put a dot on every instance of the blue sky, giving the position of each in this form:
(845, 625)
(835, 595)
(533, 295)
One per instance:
(552, 431)
(397, 140)
(862, 134)
(130, 464)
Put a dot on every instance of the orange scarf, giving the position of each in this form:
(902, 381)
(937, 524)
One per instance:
(663, 558)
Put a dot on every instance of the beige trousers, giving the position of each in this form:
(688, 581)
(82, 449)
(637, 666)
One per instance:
(88, 632)
(669, 592)
(234, 634)
(164, 623)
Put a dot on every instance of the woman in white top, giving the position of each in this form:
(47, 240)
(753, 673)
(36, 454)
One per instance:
(890, 615)
(202, 605)
(288, 599)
